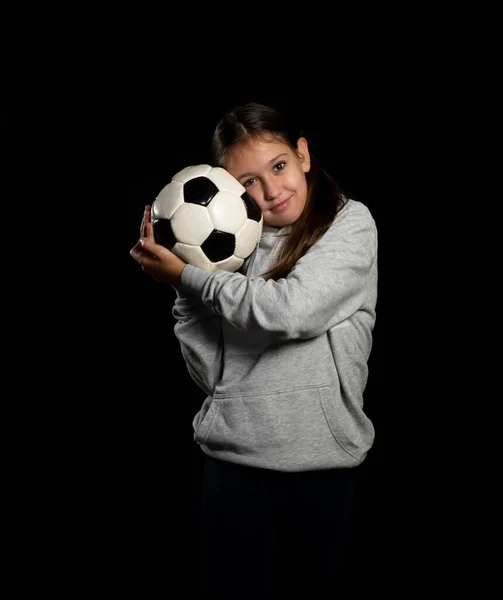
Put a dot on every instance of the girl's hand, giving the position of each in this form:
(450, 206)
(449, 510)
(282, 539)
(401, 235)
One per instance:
(156, 260)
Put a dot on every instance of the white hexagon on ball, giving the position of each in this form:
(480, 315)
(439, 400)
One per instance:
(194, 256)
(191, 172)
(191, 224)
(225, 181)
(169, 199)
(247, 238)
(228, 212)
(233, 263)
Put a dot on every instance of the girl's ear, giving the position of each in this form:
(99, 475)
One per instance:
(303, 154)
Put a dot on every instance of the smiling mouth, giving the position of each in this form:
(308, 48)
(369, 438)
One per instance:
(280, 206)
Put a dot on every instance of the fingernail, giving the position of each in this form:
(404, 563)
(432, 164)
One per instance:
(142, 241)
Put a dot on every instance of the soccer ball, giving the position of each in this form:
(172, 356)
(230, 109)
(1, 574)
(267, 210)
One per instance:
(205, 216)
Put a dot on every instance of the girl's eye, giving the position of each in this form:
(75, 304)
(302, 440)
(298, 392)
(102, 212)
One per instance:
(277, 167)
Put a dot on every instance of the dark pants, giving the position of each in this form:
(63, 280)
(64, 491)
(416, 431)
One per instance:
(271, 534)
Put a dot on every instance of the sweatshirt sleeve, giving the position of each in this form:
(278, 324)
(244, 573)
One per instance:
(326, 286)
(199, 331)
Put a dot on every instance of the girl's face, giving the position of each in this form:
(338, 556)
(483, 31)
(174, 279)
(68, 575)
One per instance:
(274, 175)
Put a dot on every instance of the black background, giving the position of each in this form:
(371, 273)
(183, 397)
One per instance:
(118, 427)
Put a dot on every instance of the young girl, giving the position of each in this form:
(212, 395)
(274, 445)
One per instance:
(281, 350)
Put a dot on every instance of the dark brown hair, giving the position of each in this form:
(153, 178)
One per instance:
(324, 198)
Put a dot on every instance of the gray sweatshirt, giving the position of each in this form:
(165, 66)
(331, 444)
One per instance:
(284, 363)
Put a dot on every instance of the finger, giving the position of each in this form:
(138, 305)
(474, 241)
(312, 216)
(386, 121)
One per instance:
(145, 220)
(156, 250)
(150, 232)
(147, 262)
(137, 252)
(142, 226)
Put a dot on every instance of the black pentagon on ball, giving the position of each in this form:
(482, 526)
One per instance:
(163, 233)
(252, 208)
(219, 245)
(199, 190)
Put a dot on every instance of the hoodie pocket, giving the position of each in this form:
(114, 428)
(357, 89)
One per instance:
(351, 428)
(289, 429)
